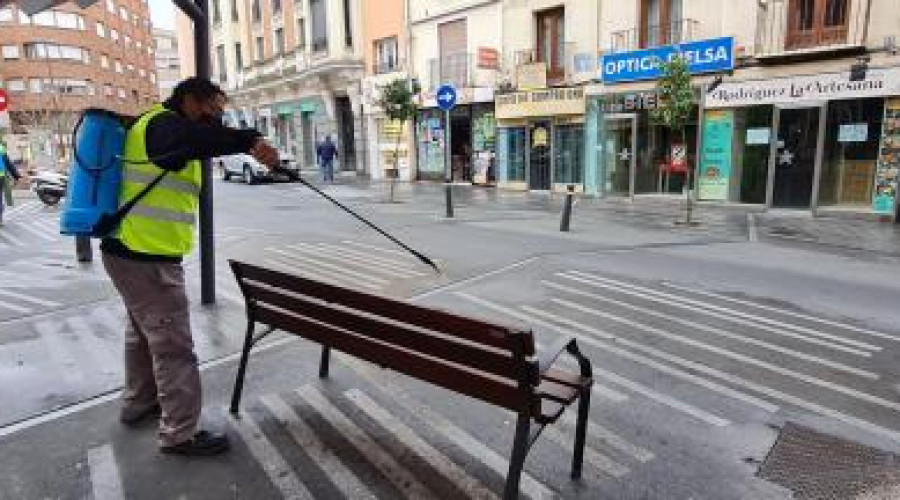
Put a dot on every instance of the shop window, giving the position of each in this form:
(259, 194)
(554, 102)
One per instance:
(569, 153)
(813, 23)
(852, 137)
(752, 142)
(551, 37)
(430, 144)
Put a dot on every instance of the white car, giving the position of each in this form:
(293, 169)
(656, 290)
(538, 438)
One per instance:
(246, 168)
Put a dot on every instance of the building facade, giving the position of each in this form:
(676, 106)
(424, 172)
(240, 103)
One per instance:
(167, 60)
(58, 62)
(294, 70)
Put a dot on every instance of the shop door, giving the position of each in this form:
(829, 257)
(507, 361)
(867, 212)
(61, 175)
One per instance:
(794, 159)
(539, 157)
(618, 154)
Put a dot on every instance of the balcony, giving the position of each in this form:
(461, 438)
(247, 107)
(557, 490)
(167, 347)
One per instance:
(573, 64)
(387, 67)
(680, 31)
(455, 69)
(796, 27)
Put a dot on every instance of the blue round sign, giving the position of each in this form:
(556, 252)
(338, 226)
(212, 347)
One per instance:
(446, 97)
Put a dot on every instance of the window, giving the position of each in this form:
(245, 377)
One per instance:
(257, 11)
(301, 33)
(238, 56)
(814, 23)
(101, 30)
(220, 63)
(260, 45)
(6, 15)
(131, 68)
(108, 90)
(551, 38)
(127, 41)
(234, 11)
(110, 6)
(123, 14)
(348, 24)
(279, 41)
(35, 86)
(142, 73)
(91, 90)
(17, 85)
(45, 18)
(319, 25)
(11, 52)
(53, 51)
(118, 66)
(135, 96)
(276, 6)
(153, 77)
(217, 12)
(140, 46)
(69, 20)
(385, 55)
(122, 93)
(104, 61)
(661, 23)
(114, 34)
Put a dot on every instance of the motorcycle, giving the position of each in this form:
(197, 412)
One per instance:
(50, 187)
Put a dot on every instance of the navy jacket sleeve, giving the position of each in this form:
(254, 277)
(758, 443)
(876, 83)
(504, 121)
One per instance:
(182, 140)
(11, 167)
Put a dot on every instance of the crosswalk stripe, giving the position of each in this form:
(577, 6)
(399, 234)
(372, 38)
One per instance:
(733, 336)
(456, 474)
(333, 267)
(96, 349)
(754, 319)
(303, 270)
(405, 482)
(462, 439)
(267, 456)
(595, 431)
(28, 298)
(601, 462)
(12, 240)
(368, 257)
(687, 364)
(776, 331)
(863, 396)
(369, 264)
(35, 232)
(49, 226)
(15, 308)
(342, 477)
(106, 482)
(837, 324)
(373, 247)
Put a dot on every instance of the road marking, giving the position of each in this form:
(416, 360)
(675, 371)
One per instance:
(15, 308)
(305, 437)
(267, 456)
(28, 298)
(660, 398)
(863, 396)
(405, 482)
(393, 270)
(462, 439)
(50, 226)
(471, 487)
(377, 249)
(715, 331)
(752, 233)
(864, 331)
(595, 431)
(327, 265)
(817, 341)
(687, 364)
(601, 462)
(106, 482)
(473, 279)
(12, 240)
(368, 256)
(39, 234)
(302, 270)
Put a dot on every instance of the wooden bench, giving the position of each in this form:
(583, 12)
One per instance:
(493, 363)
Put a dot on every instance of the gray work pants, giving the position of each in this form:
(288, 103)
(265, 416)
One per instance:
(160, 364)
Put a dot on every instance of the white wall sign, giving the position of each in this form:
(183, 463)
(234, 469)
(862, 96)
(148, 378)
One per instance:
(853, 132)
(878, 83)
(757, 136)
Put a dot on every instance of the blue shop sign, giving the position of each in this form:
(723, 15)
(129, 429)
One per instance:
(704, 56)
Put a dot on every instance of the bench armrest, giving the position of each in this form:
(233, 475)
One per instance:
(549, 355)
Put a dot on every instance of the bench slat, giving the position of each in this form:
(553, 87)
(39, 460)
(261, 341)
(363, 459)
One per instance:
(477, 356)
(446, 374)
(432, 319)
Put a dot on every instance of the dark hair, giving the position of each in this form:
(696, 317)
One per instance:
(200, 88)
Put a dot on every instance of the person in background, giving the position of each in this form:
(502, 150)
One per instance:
(326, 152)
(8, 176)
(143, 258)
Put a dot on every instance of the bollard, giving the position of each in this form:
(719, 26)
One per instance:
(83, 249)
(567, 208)
(449, 199)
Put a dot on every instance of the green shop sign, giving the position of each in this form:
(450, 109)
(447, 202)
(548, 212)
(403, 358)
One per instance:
(715, 158)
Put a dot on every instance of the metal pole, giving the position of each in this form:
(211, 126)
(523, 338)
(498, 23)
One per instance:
(567, 209)
(207, 240)
(448, 177)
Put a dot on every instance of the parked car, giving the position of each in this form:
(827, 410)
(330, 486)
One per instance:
(246, 168)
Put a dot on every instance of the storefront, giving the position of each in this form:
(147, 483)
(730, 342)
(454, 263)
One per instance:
(541, 139)
(818, 142)
(472, 139)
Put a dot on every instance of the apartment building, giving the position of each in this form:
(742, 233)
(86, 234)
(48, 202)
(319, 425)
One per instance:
(806, 114)
(294, 69)
(62, 60)
(167, 60)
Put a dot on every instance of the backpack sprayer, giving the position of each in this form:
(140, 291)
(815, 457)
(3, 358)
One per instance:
(92, 206)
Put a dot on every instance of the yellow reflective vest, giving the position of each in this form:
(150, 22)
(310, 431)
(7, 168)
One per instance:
(162, 222)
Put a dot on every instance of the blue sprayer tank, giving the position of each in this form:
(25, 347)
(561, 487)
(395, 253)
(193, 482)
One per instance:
(96, 172)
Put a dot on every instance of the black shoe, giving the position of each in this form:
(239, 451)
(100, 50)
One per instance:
(132, 418)
(204, 443)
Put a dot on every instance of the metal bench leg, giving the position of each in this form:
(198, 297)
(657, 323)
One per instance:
(584, 407)
(323, 364)
(242, 368)
(517, 461)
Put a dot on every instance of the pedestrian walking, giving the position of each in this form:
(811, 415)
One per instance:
(8, 176)
(144, 256)
(326, 152)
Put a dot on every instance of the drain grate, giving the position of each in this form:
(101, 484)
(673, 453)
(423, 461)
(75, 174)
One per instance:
(818, 466)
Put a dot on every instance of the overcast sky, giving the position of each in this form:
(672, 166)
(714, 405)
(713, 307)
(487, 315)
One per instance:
(162, 14)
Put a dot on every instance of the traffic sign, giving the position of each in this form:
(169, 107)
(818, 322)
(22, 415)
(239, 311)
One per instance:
(4, 100)
(446, 97)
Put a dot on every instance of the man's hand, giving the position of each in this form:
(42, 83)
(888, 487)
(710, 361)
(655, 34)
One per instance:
(265, 153)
